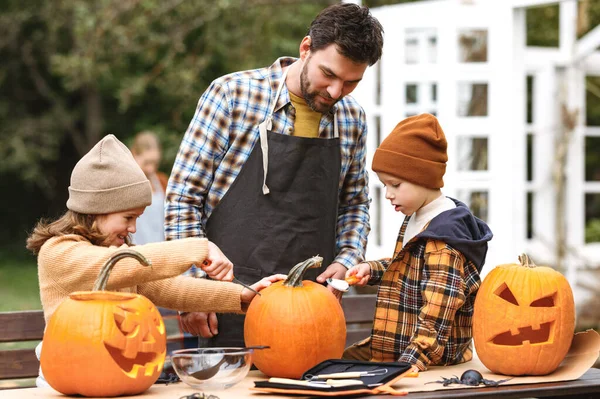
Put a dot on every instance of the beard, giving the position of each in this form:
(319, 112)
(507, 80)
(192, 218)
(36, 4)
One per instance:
(311, 96)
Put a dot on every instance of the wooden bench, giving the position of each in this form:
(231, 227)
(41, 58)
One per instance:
(20, 327)
(29, 326)
(359, 311)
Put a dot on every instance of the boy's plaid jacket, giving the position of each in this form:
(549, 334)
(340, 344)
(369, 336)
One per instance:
(427, 291)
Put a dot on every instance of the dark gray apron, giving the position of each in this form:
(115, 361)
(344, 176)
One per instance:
(268, 222)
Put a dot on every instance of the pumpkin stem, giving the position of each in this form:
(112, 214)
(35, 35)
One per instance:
(526, 261)
(294, 278)
(102, 279)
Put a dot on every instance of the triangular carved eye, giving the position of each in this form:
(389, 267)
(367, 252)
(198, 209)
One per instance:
(148, 338)
(545, 302)
(505, 293)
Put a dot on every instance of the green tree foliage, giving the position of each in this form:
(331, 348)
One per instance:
(75, 70)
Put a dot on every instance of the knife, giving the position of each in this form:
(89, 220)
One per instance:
(235, 280)
(317, 384)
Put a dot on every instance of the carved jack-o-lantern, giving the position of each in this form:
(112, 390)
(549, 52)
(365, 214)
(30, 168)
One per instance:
(524, 319)
(101, 343)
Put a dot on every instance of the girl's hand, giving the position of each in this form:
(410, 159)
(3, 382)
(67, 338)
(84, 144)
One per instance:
(247, 296)
(359, 274)
(216, 265)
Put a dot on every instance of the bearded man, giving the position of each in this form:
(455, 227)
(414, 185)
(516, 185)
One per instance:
(272, 166)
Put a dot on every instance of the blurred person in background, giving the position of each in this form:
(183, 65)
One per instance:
(146, 150)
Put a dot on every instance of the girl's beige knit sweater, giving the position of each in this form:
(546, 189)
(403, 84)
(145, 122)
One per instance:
(71, 263)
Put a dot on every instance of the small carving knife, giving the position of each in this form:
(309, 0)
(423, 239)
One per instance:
(235, 280)
(317, 384)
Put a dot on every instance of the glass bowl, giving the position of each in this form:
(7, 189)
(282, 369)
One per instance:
(212, 368)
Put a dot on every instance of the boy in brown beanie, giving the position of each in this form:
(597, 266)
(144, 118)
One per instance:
(108, 192)
(427, 290)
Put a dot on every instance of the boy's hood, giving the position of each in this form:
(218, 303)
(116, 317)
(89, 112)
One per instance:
(460, 229)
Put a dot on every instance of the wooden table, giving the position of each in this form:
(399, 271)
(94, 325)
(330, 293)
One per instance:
(588, 386)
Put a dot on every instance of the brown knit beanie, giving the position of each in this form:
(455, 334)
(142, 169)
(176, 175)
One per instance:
(108, 179)
(414, 151)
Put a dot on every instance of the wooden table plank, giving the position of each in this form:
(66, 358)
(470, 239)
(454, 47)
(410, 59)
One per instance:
(588, 386)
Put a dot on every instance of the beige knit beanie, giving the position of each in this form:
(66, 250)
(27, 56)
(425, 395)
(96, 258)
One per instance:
(414, 151)
(108, 179)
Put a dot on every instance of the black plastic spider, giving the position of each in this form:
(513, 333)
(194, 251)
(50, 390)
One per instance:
(470, 377)
(167, 378)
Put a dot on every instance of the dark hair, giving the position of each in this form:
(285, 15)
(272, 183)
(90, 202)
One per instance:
(69, 223)
(357, 34)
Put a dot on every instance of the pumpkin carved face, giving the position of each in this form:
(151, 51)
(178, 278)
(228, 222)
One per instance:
(524, 319)
(101, 343)
(136, 345)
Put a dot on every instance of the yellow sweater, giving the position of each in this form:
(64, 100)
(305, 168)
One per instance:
(71, 263)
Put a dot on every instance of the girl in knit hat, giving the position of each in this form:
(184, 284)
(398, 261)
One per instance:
(108, 192)
(427, 289)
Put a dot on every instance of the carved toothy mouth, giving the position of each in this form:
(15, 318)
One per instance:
(526, 334)
(144, 360)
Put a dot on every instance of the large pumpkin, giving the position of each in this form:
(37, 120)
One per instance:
(524, 319)
(301, 321)
(101, 343)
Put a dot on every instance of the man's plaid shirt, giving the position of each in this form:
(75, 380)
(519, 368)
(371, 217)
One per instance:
(223, 133)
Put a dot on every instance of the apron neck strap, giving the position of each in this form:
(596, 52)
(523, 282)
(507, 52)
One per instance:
(267, 125)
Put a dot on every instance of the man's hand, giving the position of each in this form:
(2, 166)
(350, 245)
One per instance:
(335, 270)
(216, 265)
(200, 323)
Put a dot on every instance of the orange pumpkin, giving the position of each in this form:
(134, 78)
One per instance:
(101, 343)
(524, 319)
(301, 321)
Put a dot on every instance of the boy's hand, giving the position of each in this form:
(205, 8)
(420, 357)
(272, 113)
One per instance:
(359, 274)
(216, 265)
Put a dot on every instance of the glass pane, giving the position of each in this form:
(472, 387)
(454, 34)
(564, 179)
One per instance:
(472, 46)
(592, 158)
(412, 50)
(472, 153)
(433, 92)
(592, 217)
(530, 215)
(477, 202)
(378, 129)
(472, 99)
(378, 83)
(529, 160)
(432, 48)
(411, 93)
(420, 46)
(529, 99)
(592, 100)
(377, 214)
